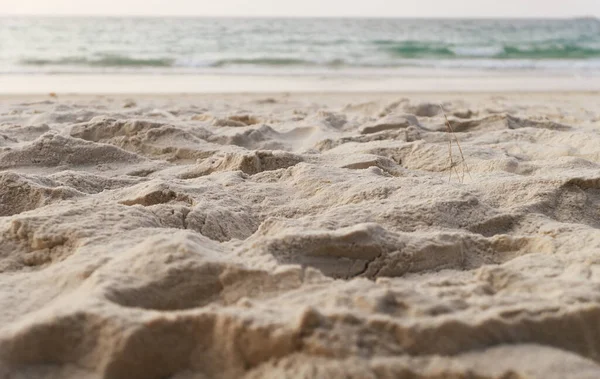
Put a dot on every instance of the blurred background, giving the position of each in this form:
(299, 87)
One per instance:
(268, 38)
(286, 45)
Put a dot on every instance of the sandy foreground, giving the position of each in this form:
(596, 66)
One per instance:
(300, 236)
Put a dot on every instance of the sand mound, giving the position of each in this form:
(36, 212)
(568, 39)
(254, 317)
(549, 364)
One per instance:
(148, 138)
(294, 237)
(263, 137)
(19, 193)
(498, 122)
(14, 133)
(249, 163)
(424, 109)
(236, 120)
(52, 150)
(390, 123)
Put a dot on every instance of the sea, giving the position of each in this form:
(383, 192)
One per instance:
(187, 45)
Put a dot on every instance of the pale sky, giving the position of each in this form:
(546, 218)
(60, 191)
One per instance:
(366, 8)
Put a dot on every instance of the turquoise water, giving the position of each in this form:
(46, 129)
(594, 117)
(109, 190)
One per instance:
(202, 45)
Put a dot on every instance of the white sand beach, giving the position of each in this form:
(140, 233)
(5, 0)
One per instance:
(295, 235)
(407, 80)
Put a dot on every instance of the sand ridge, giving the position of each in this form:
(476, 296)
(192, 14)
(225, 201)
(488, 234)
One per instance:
(299, 236)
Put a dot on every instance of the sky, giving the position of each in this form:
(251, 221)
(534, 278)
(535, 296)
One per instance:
(304, 8)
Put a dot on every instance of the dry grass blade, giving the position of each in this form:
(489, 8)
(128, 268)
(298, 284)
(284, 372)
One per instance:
(452, 135)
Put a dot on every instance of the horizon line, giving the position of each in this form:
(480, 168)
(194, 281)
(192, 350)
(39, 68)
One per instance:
(108, 15)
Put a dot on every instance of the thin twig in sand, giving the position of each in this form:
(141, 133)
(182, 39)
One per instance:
(451, 134)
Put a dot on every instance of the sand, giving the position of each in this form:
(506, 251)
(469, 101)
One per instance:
(408, 79)
(300, 236)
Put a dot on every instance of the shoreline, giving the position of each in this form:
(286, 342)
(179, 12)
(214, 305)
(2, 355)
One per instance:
(228, 84)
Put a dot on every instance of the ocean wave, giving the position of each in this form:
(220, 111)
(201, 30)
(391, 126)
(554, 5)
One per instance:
(549, 52)
(414, 49)
(103, 61)
(263, 62)
(422, 50)
(399, 55)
